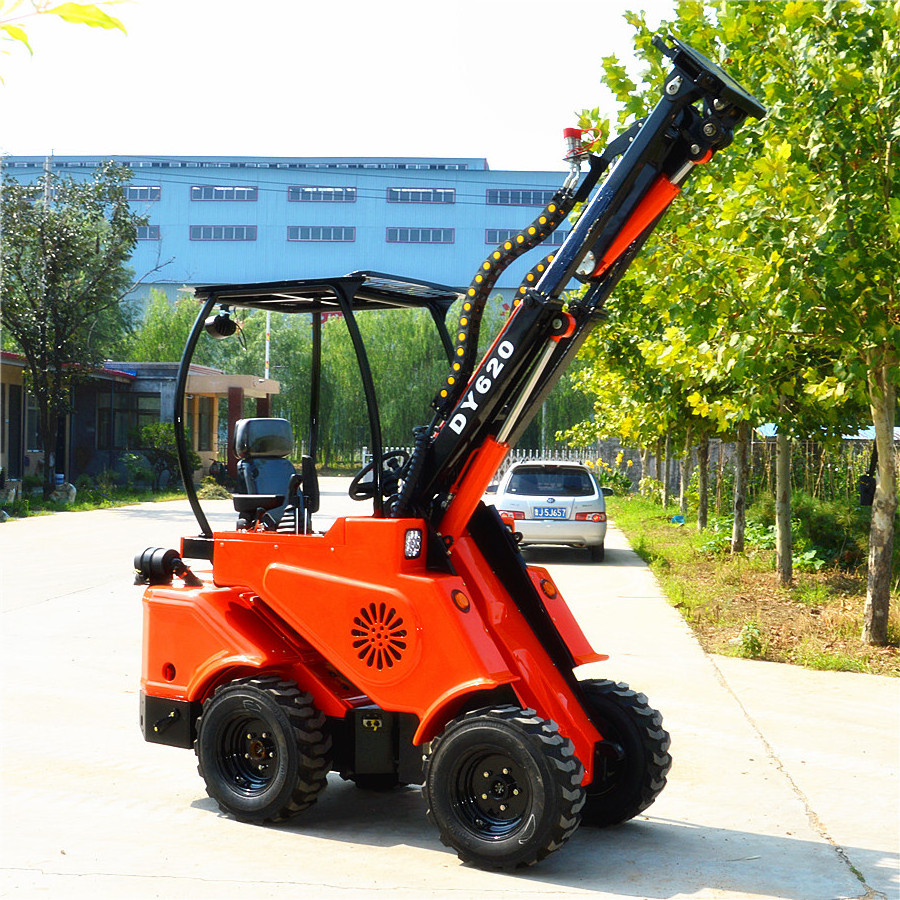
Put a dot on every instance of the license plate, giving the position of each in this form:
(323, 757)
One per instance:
(549, 512)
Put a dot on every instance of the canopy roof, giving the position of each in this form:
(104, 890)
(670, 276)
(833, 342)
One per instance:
(364, 290)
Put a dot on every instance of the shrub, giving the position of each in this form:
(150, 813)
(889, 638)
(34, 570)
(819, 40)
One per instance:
(751, 644)
(210, 489)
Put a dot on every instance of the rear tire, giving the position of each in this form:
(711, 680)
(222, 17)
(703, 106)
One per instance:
(263, 749)
(598, 552)
(504, 787)
(624, 787)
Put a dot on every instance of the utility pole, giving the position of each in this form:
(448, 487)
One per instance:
(268, 332)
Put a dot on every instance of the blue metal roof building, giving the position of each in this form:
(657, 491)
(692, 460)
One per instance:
(244, 219)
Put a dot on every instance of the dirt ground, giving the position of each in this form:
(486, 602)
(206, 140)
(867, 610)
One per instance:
(823, 632)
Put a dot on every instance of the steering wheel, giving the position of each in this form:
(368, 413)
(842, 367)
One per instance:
(363, 485)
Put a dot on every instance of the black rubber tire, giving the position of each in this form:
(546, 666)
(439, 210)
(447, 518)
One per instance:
(598, 553)
(503, 787)
(624, 787)
(263, 749)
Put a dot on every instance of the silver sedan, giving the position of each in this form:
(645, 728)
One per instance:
(552, 502)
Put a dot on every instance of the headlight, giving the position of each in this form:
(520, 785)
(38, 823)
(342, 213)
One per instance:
(412, 543)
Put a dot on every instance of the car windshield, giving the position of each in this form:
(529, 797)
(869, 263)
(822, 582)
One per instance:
(563, 481)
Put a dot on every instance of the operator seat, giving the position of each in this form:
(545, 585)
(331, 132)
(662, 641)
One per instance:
(264, 470)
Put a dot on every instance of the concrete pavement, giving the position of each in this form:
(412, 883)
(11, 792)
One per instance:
(785, 782)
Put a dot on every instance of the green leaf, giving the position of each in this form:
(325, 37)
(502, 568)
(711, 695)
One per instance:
(86, 14)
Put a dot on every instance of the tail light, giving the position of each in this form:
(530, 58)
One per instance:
(590, 517)
(512, 513)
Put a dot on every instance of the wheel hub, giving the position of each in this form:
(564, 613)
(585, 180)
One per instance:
(249, 751)
(494, 793)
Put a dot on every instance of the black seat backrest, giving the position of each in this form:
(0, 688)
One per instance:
(262, 447)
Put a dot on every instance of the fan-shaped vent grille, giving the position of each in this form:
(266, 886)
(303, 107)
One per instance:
(379, 637)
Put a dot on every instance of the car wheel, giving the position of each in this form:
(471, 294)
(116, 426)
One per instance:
(598, 552)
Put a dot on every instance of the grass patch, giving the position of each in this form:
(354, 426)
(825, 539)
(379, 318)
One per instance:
(35, 505)
(735, 605)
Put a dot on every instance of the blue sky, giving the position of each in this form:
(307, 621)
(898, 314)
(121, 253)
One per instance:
(496, 78)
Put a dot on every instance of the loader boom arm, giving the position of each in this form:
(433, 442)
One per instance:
(484, 411)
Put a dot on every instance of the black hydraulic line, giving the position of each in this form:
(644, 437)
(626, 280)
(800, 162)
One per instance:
(465, 348)
(187, 474)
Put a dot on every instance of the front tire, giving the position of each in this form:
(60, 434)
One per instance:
(634, 773)
(263, 749)
(504, 787)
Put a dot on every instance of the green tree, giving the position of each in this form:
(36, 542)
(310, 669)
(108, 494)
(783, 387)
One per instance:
(65, 248)
(157, 443)
(781, 268)
(163, 330)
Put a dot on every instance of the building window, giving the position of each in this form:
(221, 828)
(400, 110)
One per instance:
(420, 235)
(333, 233)
(497, 197)
(121, 416)
(310, 194)
(32, 426)
(223, 232)
(148, 232)
(218, 192)
(143, 192)
(495, 236)
(421, 195)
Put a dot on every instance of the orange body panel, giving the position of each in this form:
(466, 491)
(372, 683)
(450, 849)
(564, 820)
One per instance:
(566, 624)
(541, 685)
(195, 638)
(353, 621)
(388, 625)
(471, 485)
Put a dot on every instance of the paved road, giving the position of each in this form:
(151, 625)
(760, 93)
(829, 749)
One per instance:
(785, 782)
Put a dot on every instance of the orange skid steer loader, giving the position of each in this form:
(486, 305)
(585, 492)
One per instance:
(413, 645)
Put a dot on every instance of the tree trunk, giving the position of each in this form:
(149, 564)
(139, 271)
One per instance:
(686, 466)
(47, 426)
(883, 401)
(741, 447)
(664, 470)
(720, 477)
(783, 545)
(645, 468)
(703, 482)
